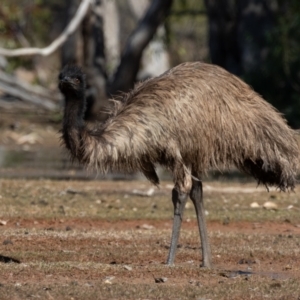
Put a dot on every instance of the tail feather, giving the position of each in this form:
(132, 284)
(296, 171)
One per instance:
(270, 175)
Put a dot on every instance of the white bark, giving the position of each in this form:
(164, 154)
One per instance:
(73, 25)
(155, 60)
(111, 34)
(138, 7)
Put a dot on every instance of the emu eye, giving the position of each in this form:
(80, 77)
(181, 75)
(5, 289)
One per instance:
(76, 80)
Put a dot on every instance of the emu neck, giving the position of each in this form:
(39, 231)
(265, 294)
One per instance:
(74, 112)
(73, 124)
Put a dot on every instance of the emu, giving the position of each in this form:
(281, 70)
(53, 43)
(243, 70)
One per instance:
(192, 118)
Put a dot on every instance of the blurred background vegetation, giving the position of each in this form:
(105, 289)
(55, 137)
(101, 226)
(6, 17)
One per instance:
(258, 40)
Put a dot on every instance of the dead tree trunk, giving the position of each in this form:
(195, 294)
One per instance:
(125, 76)
(223, 41)
(256, 20)
(238, 33)
(94, 62)
(69, 49)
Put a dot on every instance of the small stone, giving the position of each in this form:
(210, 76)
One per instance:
(226, 221)
(43, 202)
(160, 279)
(146, 226)
(148, 193)
(108, 279)
(270, 205)
(288, 267)
(128, 268)
(72, 191)
(7, 259)
(194, 282)
(61, 210)
(188, 205)
(275, 285)
(254, 205)
(3, 223)
(246, 261)
(89, 284)
(7, 242)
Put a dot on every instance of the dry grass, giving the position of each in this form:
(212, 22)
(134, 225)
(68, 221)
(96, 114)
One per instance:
(118, 201)
(98, 240)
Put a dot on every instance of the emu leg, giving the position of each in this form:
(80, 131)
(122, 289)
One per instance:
(179, 200)
(197, 197)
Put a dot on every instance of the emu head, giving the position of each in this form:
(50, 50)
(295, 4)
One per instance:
(72, 82)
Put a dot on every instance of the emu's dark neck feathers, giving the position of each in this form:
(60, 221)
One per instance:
(72, 85)
(74, 112)
(73, 124)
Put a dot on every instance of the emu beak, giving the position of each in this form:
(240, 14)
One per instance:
(65, 80)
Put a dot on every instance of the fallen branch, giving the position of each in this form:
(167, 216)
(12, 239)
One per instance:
(34, 89)
(73, 25)
(28, 97)
(29, 93)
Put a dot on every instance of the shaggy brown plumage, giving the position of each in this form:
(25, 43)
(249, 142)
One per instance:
(190, 119)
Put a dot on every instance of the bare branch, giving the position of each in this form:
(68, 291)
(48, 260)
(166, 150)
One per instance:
(28, 93)
(38, 90)
(73, 25)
